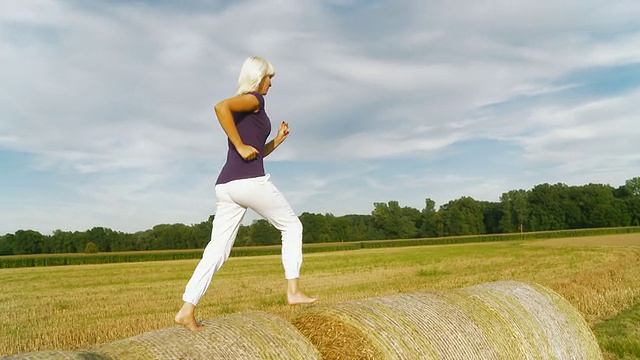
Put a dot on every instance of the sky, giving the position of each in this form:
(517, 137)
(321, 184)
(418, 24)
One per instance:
(106, 107)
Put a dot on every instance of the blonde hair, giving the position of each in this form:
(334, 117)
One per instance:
(252, 72)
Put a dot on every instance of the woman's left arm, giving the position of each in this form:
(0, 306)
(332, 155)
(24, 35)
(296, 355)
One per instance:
(283, 132)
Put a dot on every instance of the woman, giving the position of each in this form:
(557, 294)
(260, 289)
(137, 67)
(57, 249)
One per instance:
(242, 184)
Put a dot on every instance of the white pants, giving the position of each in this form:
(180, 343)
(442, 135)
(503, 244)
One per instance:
(234, 198)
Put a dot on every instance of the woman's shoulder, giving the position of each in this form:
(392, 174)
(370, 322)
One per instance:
(258, 96)
(245, 102)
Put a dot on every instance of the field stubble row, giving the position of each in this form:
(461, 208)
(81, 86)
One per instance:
(72, 307)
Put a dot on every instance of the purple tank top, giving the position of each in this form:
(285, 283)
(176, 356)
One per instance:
(254, 129)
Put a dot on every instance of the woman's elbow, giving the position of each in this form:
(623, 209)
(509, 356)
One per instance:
(221, 107)
(218, 107)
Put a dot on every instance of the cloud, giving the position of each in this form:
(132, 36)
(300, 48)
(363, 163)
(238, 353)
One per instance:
(112, 101)
(596, 135)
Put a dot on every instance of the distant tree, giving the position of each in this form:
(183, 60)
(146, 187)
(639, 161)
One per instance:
(546, 207)
(515, 211)
(263, 233)
(91, 248)
(201, 234)
(622, 192)
(463, 216)
(172, 236)
(393, 221)
(143, 240)
(63, 242)
(428, 226)
(80, 240)
(102, 237)
(574, 215)
(632, 207)
(362, 227)
(413, 219)
(315, 228)
(453, 221)
(633, 185)
(596, 202)
(492, 216)
(340, 228)
(123, 242)
(27, 242)
(5, 244)
(440, 220)
(243, 238)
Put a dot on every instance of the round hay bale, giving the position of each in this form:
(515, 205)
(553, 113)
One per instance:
(547, 321)
(251, 335)
(56, 355)
(489, 321)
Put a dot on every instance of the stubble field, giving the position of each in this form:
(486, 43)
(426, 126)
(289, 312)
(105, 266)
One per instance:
(72, 307)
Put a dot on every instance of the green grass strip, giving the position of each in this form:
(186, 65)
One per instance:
(620, 335)
(16, 261)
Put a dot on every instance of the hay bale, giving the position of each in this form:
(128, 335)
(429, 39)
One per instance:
(544, 319)
(251, 335)
(56, 355)
(489, 321)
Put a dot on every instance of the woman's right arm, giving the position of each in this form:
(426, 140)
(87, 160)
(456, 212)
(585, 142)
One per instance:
(223, 109)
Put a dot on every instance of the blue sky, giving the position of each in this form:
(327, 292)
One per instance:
(106, 106)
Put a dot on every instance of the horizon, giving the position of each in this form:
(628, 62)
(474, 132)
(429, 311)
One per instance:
(256, 217)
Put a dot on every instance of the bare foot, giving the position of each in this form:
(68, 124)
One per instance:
(295, 296)
(186, 317)
(299, 298)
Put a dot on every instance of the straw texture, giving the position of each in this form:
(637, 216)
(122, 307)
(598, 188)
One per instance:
(499, 320)
(57, 355)
(252, 335)
(502, 320)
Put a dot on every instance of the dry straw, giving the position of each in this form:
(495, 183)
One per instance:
(58, 355)
(251, 335)
(501, 320)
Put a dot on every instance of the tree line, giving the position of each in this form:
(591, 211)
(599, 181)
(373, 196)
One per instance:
(544, 207)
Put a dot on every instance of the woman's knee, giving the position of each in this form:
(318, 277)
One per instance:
(293, 228)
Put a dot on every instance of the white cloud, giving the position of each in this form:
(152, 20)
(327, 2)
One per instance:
(121, 95)
(595, 135)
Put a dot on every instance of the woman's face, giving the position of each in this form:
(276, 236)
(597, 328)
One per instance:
(264, 86)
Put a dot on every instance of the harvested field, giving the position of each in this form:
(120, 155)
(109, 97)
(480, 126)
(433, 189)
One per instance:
(80, 307)
(505, 319)
(603, 240)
